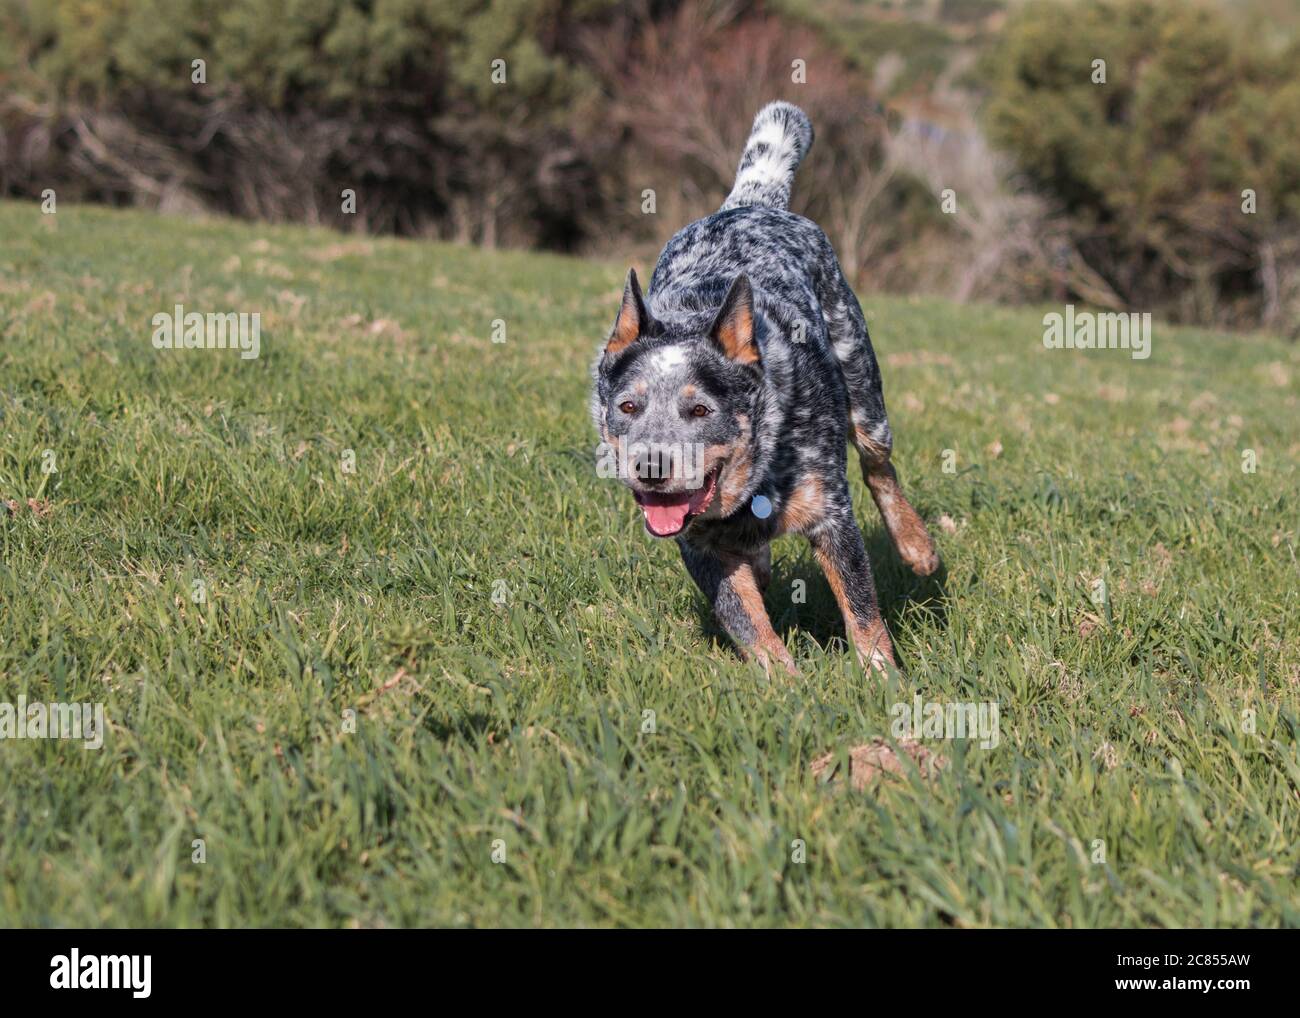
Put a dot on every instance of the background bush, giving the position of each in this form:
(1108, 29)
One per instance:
(303, 99)
(1150, 168)
(1126, 194)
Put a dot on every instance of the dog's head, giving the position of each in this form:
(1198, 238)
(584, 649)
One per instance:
(676, 407)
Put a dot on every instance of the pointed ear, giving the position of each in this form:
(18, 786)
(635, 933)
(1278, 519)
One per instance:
(633, 319)
(733, 329)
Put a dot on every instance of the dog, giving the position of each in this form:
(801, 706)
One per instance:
(728, 397)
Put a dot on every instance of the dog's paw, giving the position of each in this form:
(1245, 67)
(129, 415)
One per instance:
(775, 655)
(922, 559)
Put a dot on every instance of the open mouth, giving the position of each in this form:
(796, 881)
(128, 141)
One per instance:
(667, 513)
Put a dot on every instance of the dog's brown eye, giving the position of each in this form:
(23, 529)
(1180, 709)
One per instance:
(627, 406)
(700, 410)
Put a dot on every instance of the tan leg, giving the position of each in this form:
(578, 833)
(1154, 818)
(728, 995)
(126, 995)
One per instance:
(839, 550)
(766, 646)
(732, 585)
(910, 538)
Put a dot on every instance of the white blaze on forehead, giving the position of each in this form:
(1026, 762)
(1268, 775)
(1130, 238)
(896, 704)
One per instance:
(669, 357)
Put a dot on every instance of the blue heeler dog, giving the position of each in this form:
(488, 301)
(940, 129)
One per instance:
(729, 395)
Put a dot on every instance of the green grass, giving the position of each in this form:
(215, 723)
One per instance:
(521, 722)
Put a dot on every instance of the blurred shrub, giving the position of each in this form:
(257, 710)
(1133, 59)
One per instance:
(394, 99)
(683, 93)
(1126, 194)
(1150, 167)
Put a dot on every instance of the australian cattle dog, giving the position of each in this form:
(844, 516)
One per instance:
(732, 390)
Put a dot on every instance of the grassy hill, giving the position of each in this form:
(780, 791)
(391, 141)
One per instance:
(1156, 713)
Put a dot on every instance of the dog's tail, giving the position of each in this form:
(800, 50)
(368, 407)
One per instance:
(781, 136)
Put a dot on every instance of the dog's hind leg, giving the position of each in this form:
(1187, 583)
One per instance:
(869, 431)
(906, 530)
(732, 585)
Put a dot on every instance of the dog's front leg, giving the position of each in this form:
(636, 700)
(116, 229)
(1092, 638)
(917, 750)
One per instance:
(731, 583)
(839, 550)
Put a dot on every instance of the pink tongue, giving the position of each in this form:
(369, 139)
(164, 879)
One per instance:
(666, 519)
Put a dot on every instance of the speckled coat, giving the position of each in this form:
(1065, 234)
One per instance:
(752, 348)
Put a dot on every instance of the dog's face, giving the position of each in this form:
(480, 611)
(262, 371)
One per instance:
(676, 410)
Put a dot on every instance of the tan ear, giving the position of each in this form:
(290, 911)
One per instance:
(633, 319)
(733, 329)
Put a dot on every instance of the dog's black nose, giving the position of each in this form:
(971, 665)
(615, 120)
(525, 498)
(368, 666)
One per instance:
(653, 467)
